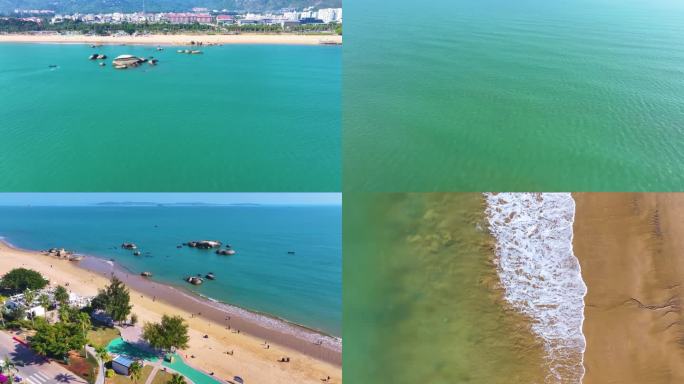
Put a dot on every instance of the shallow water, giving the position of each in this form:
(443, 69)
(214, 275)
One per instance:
(423, 301)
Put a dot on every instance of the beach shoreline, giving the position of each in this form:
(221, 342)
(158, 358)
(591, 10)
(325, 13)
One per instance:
(317, 355)
(173, 40)
(629, 246)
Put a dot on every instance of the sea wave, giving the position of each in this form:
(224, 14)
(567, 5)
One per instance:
(540, 274)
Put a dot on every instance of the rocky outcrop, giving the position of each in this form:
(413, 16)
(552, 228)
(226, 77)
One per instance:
(204, 244)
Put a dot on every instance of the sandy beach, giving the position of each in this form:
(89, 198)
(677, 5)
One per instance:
(631, 249)
(309, 363)
(180, 39)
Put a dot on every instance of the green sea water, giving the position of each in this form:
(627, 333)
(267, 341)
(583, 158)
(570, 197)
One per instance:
(500, 95)
(237, 118)
(421, 296)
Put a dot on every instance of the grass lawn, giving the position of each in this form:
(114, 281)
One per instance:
(161, 377)
(101, 336)
(121, 379)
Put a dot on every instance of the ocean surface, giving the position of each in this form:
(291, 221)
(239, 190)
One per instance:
(514, 96)
(304, 288)
(462, 288)
(237, 118)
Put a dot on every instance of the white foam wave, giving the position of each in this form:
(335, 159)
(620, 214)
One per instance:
(540, 275)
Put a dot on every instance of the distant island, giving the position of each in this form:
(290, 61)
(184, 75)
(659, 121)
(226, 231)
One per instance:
(183, 204)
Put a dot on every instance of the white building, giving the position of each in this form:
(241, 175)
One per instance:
(330, 15)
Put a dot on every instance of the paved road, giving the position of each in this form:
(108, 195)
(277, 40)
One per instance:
(33, 369)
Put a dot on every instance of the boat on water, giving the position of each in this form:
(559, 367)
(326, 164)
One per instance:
(210, 276)
(146, 274)
(194, 280)
(136, 253)
(188, 51)
(226, 252)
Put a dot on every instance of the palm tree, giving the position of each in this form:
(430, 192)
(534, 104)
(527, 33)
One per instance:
(84, 325)
(61, 295)
(176, 379)
(44, 301)
(84, 322)
(29, 297)
(136, 371)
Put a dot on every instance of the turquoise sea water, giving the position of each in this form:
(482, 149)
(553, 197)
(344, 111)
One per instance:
(305, 288)
(237, 118)
(523, 95)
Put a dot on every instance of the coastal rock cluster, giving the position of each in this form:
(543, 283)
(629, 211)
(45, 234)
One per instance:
(131, 61)
(124, 61)
(62, 253)
(210, 244)
(204, 244)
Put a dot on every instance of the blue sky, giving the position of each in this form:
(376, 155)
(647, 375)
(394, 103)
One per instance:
(214, 198)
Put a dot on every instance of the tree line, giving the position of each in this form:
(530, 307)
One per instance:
(12, 25)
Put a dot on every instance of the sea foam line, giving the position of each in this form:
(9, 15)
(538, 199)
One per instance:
(540, 274)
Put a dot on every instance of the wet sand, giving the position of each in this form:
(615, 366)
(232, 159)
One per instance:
(631, 249)
(313, 355)
(180, 39)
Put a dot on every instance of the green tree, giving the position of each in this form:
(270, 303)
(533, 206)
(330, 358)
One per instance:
(134, 319)
(16, 313)
(114, 300)
(20, 279)
(171, 333)
(57, 340)
(136, 371)
(61, 295)
(176, 379)
(44, 301)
